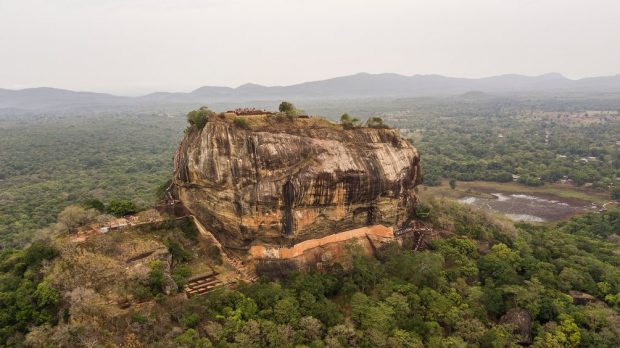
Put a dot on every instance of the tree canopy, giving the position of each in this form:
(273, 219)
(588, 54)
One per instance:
(199, 118)
(121, 207)
(289, 109)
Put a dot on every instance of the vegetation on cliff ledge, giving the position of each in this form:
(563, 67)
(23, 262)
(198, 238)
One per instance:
(198, 118)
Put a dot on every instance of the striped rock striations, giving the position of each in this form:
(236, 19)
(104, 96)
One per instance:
(280, 182)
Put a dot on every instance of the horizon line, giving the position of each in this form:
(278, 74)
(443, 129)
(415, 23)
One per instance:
(560, 75)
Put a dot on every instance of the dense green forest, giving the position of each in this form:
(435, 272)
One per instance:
(50, 161)
(494, 139)
(25, 299)
(486, 284)
(538, 152)
(451, 295)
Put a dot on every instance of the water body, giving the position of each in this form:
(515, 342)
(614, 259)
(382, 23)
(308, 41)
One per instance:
(528, 207)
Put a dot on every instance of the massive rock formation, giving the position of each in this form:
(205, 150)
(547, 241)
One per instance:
(279, 182)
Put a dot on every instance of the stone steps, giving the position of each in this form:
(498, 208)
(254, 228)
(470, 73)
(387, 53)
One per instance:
(246, 274)
(242, 271)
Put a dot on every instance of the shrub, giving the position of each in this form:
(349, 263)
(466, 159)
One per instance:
(121, 207)
(136, 317)
(198, 118)
(242, 123)
(189, 228)
(286, 107)
(191, 320)
(530, 180)
(376, 122)
(292, 115)
(179, 254)
(422, 211)
(73, 217)
(180, 275)
(348, 121)
(160, 192)
(452, 183)
(140, 292)
(289, 109)
(156, 279)
(94, 204)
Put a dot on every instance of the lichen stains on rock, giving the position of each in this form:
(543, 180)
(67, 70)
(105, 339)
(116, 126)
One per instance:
(284, 183)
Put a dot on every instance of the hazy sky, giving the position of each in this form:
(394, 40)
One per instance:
(137, 46)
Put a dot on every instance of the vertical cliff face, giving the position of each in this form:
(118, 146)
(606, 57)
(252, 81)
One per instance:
(284, 182)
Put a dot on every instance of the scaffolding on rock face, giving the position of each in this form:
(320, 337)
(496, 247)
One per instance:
(419, 233)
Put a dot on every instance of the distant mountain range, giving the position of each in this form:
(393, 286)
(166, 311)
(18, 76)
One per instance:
(360, 85)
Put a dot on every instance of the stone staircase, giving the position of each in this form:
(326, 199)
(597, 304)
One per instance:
(244, 272)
